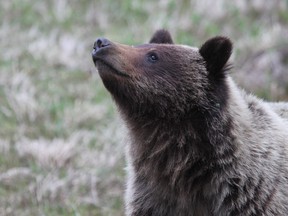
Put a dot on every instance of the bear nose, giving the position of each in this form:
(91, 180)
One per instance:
(100, 43)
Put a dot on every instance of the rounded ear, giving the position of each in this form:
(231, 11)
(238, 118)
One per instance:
(216, 52)
(161, 36)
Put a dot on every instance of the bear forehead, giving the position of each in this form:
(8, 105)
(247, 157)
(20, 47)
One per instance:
(178, 47)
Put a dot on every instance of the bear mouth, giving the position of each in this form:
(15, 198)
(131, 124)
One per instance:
(104, 66)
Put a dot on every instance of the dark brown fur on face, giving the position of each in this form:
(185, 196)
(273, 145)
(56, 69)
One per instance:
(199, 145)
(150, 88)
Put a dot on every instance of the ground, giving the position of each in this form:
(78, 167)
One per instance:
(61, 149)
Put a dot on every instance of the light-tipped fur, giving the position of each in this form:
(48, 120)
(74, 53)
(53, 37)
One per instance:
(198, 144)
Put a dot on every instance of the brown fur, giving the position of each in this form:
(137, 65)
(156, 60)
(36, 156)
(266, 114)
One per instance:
(198, 144)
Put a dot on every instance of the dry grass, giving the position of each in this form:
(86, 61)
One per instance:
(61, 144)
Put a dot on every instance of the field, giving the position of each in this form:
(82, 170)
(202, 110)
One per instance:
(61, 140)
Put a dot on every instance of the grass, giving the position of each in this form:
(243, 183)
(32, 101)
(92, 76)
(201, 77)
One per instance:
(61, 141)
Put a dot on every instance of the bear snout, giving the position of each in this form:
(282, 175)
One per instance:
(99, 44)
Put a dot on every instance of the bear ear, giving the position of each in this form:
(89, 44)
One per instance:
(161, 36)
(216, 52)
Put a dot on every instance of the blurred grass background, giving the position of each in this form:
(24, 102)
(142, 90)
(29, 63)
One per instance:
(61, 141)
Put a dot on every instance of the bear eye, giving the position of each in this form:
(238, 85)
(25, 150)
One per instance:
(152, 57)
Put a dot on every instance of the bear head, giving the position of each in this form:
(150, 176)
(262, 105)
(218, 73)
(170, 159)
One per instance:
(164, 80)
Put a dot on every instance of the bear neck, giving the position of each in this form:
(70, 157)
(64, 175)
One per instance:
(188, 161)
(170, 151)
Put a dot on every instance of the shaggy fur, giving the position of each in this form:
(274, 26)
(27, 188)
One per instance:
(198, 144)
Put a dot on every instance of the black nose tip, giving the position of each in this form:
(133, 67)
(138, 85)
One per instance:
(100, 43)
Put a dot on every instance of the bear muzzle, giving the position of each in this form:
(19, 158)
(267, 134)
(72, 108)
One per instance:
(105, 55)
(99, 45)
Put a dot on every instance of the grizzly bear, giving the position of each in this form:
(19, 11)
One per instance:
(198, 144)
